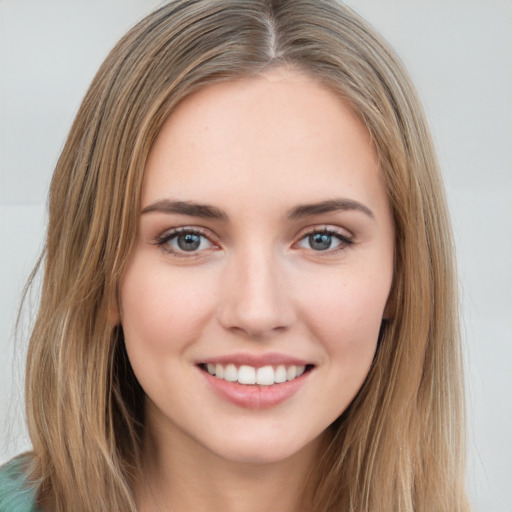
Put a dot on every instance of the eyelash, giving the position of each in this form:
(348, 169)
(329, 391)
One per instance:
(163, 240)
(344, 240)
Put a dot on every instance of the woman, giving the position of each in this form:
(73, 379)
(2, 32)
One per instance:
(249, 294)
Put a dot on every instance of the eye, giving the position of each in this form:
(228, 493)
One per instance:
(324, 240)
(184, 240)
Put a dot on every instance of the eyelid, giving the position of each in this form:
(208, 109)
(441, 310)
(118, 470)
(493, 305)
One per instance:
(346, 238)
(325, 228)
(161, 240)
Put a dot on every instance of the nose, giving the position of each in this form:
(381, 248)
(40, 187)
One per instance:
(255, 300)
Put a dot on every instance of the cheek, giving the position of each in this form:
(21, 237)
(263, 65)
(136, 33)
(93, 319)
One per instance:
(345, 313)
(164, 310)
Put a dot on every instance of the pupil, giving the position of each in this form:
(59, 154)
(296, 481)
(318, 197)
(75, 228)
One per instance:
(320, 241)
(189, 242)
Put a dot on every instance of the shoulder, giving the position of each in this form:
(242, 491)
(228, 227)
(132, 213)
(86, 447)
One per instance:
(15, 495)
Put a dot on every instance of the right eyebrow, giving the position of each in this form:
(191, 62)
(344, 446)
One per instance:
(189, 208)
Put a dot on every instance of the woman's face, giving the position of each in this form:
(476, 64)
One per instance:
(253, 298)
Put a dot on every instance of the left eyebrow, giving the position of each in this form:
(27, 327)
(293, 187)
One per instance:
(331, 205)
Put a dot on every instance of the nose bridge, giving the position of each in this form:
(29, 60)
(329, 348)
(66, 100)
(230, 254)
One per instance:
(255, 298)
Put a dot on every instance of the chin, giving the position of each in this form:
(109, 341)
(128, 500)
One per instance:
(265, 450)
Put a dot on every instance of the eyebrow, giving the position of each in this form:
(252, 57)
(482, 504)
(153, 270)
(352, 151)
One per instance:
(331, 205)
(206, 211)
(189, 208)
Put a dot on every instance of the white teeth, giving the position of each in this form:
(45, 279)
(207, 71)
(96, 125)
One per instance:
(230, 373)
(291, 373)
(264, 376)
(246, 375)
(280, 375)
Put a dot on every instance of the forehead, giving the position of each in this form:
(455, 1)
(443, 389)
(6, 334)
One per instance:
(279, 134)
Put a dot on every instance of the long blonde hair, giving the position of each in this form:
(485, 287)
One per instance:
(399, 447)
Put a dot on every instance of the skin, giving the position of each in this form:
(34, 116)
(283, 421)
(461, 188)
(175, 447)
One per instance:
(256, 149)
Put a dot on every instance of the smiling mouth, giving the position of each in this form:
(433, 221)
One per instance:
(251, 375)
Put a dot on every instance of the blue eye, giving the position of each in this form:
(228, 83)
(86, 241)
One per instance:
(184, 241)
(324, 241)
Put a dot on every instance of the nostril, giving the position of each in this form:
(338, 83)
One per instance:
(257, 328)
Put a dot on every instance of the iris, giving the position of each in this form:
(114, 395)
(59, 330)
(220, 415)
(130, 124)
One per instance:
(188, 241)
(320, 241)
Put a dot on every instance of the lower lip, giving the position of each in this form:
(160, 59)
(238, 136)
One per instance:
(255, 396)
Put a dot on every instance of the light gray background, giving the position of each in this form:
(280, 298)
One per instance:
(459, 53)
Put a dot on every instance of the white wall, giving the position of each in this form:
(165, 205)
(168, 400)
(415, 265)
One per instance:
(459, 53)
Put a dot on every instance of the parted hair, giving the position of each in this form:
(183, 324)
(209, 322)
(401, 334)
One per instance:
(399, 446)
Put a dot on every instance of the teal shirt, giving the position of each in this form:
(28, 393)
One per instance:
(15, 495)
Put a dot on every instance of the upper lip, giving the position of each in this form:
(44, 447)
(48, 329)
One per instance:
(256, 360)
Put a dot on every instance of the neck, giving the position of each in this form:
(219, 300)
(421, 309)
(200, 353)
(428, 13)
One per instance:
(181, 475)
